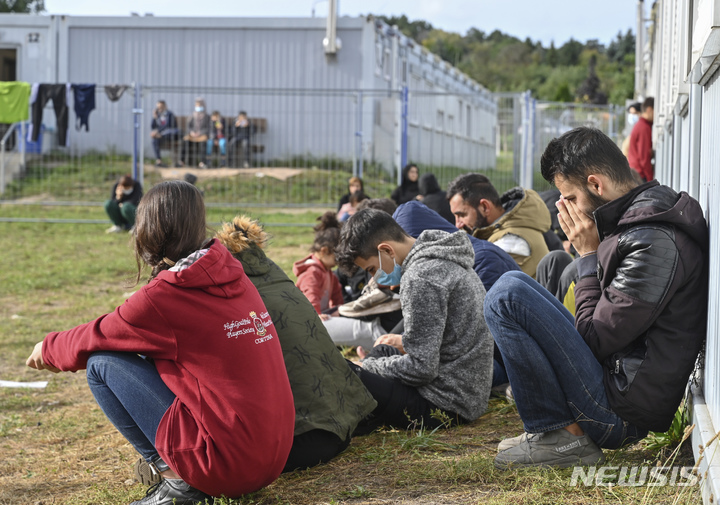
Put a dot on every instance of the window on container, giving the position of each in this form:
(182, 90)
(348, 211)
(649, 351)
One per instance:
(404, 71)
(450, 124)
(460, 117)
(386, 65)
(440, 120)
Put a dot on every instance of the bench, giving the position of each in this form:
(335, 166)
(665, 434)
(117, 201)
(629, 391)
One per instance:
(258, 126)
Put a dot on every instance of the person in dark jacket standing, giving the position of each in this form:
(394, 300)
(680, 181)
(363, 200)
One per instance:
(124, 199)
(434, 197)
(409, 189)
(620, 368)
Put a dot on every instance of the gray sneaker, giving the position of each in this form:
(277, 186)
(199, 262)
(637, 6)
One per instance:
(558, 448)
(509, 443)
(373, 300)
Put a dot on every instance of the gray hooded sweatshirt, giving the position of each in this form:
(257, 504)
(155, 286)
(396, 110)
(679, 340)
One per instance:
(449, 347)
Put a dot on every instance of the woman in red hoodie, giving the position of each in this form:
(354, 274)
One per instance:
(189, 369)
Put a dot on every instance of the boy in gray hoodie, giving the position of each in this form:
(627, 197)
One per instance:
(445, 355)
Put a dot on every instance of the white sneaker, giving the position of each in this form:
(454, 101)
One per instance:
(114, 229)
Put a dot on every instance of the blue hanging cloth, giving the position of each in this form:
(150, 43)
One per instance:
(84, 95)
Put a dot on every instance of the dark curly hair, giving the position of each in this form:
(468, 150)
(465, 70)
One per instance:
(327, 233)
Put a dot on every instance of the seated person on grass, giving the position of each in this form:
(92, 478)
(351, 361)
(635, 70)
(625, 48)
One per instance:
(122, 206)
(321, 286)
(621, 366)
(189, 369)
(490, 264)
(448, 350)
(329, 400)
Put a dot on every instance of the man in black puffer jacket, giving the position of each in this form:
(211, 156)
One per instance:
(641, 312)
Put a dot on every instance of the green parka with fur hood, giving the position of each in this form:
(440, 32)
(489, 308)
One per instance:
(327, 394)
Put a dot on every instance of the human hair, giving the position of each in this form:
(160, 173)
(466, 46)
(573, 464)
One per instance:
(327, 233)
(242, 113)
(357, 197)
(582, 152)
(126, 181)
(649, 102)
(215, 113)
(162, 102)
(361, 235)
(472, 188)
(405, 171)
(635, 105)
(169, 225)
(384, 204)
(356, 180)
(242, 233)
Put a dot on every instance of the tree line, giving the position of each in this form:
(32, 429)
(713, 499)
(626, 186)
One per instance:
(587, 72)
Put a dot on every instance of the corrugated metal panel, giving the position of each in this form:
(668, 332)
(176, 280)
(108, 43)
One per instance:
(709, 183)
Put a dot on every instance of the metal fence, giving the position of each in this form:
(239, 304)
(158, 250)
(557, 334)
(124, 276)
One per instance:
(526, 126)
(305, 144)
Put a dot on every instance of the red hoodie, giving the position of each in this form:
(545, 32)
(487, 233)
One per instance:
(318, 284)
(230, 429)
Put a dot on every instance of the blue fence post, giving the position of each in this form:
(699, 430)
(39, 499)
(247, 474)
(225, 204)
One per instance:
(404, 128)
(137, 152)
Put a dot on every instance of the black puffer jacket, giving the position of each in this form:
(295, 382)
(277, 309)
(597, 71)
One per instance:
(641, 304)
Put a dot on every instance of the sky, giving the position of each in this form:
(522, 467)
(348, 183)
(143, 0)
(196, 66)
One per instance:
(543, 20)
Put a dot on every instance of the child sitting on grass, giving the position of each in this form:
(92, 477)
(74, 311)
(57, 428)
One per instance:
(445, 355)
(189, 369)
(321, 286)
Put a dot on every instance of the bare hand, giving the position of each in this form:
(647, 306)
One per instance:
(580, 229)
(391, 339)
(324, 317)
(36, 360)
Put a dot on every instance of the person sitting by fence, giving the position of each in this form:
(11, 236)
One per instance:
(322, 288)
(354, 184)
(409, 188)
(443, 361)
(189, 369)
(197, 136)
(350, 208)
(516, 222)
(329, 401)
(434, 197)
(242, 133)
(122, 206)
(217, 137)
(621, 366)
(164, 129)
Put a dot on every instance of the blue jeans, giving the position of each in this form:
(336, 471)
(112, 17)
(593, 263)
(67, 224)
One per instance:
(555, 377)
(221, 144)
(132, 395)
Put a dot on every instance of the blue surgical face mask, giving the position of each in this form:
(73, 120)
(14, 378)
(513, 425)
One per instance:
(199, 109)
(391, 279)
(632, 119)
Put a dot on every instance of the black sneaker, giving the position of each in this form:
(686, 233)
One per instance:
(173, 492)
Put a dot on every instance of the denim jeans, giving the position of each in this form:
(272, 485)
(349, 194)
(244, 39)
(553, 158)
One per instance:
(555, 377)
(132, 395)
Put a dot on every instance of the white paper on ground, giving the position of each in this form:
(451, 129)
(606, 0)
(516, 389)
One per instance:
(13, 384)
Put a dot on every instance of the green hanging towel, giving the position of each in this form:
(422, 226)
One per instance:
(14, 101)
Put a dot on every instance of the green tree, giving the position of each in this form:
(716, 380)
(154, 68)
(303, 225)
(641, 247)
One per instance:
(22, 6)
